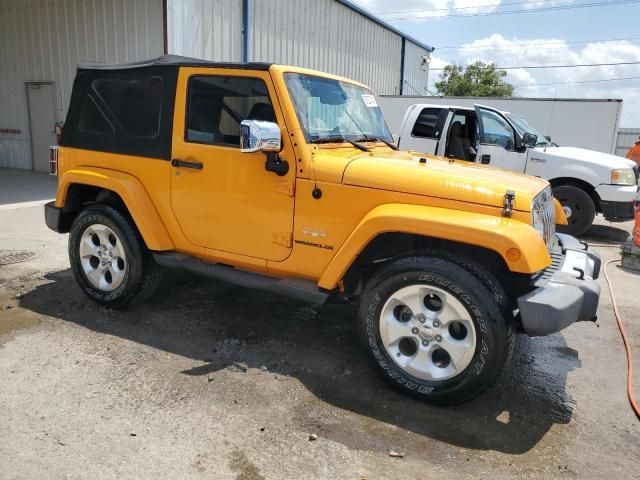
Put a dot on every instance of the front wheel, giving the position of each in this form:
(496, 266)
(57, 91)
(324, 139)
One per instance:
(579, 208)
(434, 330)
(109, 259)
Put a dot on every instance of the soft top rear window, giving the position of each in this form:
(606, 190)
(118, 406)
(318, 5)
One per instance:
(134, 104)
(123, 111)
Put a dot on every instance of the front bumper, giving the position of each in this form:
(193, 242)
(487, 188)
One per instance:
(617, 193)
(565, 292)
(617, 210)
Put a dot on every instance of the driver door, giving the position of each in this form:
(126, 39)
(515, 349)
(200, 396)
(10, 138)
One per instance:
(223, 199)
(497, 142)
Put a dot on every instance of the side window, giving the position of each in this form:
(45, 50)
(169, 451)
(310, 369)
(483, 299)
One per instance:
(135, 104)
(496, 130)
(216, 105)
(429, 123)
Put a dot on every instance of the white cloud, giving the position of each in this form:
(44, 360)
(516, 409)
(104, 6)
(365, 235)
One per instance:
(418, 10)
(549, 51)
(546, 3)
(470, 7)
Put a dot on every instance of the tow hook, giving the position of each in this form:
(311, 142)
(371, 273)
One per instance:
(509, 198)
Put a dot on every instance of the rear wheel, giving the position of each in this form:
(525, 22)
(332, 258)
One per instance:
(434, 330)
(579, 208)
(109, 259)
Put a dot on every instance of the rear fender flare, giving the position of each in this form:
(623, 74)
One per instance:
(132, 193)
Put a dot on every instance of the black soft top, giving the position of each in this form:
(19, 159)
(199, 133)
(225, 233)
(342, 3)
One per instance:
(127, 108)
(172, 61)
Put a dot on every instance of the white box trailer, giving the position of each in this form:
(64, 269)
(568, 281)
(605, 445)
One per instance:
(585, 123)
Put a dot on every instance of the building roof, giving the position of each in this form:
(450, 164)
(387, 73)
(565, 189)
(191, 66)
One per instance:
(172, 61)
(379, 21)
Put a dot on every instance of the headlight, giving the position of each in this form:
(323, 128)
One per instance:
(543, 217)
(623, 176)
(538, 221)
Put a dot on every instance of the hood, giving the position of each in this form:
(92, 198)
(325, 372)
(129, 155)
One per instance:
(438, 177)
(588, 156)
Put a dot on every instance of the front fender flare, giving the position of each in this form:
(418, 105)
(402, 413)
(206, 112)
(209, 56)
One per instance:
(494, 233)
(132, 193)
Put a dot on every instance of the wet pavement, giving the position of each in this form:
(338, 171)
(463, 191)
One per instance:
(214, 381)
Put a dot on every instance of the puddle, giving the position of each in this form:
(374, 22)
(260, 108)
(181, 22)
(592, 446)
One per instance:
(14, 318)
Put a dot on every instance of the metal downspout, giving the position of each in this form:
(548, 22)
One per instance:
(245, 30)
(402, 55)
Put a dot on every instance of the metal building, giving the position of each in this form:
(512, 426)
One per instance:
(44, 40)
(626, 138)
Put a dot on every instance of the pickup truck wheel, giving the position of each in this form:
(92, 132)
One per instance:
(578, 207)
(434, 330)
(109, 259)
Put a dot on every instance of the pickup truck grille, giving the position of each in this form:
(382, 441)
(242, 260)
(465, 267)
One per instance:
(544, 209)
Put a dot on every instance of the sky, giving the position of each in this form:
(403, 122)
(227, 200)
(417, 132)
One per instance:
(542, 32)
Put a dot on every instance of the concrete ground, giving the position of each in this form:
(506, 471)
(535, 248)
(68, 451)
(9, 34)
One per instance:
(215, 381)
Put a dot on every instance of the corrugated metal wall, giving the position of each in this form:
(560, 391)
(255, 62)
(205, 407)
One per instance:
(44, 40)
(328, 36)
(207, 29)
(626, 138)
(415, 72)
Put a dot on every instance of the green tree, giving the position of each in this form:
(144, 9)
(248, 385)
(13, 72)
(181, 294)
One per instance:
(477, 80)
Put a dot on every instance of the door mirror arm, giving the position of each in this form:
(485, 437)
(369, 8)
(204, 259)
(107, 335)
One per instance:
(275, 164)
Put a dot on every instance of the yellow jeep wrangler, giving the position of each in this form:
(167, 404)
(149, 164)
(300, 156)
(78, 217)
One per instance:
(285, 179)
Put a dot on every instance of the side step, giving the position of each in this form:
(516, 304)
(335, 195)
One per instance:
(304, 290)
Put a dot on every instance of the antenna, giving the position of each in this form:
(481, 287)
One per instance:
(553, 110)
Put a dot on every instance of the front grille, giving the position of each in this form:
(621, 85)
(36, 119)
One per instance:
(545, 211)
(557, 258)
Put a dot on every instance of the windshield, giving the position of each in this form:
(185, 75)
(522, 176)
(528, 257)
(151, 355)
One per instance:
(523, 127)
(331, 110)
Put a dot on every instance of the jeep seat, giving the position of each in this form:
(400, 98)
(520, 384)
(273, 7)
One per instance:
(263, 112)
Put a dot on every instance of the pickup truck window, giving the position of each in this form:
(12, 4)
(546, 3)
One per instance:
(496, 130)
(330, 108)
(217, 104)
(430, 122)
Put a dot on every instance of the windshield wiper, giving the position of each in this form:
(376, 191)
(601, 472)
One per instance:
(340, 139)
(371, 138)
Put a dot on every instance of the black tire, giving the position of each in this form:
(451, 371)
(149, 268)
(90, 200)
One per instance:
(142, 275)
(495, 336)
(583, 210)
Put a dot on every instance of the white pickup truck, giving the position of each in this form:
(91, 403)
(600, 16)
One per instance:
(584, 181)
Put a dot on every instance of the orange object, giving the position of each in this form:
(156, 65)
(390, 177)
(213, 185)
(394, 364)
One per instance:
(634, 153)
(513, 254)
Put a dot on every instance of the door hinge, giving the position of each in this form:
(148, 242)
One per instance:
(284, 239)
(286, 187)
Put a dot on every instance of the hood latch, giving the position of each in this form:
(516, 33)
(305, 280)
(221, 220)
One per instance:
(509, 199)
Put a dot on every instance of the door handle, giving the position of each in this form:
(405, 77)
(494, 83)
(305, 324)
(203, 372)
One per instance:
(183, 163)
(485, 159)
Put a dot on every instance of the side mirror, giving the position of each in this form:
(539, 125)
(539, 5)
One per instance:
(259, 136)
(529, 140)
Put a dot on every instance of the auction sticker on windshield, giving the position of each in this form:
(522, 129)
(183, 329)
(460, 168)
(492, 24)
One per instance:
(370, 101)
